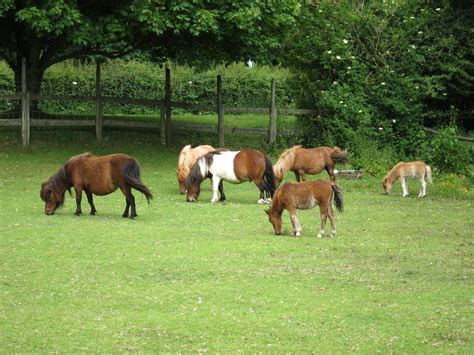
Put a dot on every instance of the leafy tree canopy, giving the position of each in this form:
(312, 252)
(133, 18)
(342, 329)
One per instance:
(46, 32)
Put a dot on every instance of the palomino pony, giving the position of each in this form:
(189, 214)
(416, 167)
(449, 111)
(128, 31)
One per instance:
(234, 167)
(186, 160)
(412, 170)
(94, 175)
(311, 161)
(305, 195)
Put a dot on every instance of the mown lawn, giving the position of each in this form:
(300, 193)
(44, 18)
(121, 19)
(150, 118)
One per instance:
(212, 277)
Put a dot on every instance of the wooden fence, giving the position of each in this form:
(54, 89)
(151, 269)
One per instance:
(166, 104)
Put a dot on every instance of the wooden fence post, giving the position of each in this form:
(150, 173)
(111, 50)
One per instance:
(220, 113)
(25, 106)
(168, 107)
(272, 127)
(99, 121)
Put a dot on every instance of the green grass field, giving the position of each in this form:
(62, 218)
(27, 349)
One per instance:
(213, 277)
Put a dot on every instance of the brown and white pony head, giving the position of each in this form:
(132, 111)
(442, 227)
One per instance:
(198, 173)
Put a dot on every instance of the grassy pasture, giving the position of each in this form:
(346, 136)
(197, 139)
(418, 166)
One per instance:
(201, 277)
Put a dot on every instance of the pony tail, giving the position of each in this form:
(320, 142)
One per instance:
(269, 176)
(131, 175)
(429, 174)
(339, 156)
(338, 197)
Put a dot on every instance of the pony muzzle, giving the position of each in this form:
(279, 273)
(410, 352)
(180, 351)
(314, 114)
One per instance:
(49, 212)
(192, 199)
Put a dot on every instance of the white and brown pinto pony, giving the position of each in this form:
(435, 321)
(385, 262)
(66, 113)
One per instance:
(305, 195)
(402, 171)
(310, 161)
(186, 160)
(234, 167)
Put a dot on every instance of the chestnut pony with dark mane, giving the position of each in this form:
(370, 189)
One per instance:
(186, 160)
(234, 167)
(94, 175)
(305, 195)
(310, 161)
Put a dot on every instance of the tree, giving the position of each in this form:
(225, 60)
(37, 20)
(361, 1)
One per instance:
(380, 70)
(46, 32)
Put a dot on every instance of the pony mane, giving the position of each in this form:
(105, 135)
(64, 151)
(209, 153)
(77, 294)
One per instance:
(285, 162)
(392, 175)
(200, 169)
(56, 186)
(182, 169)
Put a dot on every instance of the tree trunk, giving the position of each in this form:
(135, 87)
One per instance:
(34, 77)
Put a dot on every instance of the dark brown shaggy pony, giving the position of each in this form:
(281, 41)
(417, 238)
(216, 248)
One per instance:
(94, 175)
(310, 161)
(305, 195)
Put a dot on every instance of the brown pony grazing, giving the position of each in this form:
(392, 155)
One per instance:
(94, 175)
(311, 161)
(234, 167)
(186, 160)
(412, 170)
(305, 195)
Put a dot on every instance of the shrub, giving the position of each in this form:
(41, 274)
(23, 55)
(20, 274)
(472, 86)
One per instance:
(448, 153)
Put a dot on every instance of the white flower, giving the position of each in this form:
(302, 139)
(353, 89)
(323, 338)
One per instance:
(412, 17)
(380, 129)
(320, 10)
(382, 83)
(345, 41)
(438, 9)
(444, 94)
(349, 68)
(413, 46)
(417, 87)
(360, 111)
(352, 57)
(334, 82)
(341, 102)
(190, 82)
(420, 32)
(329, 52)
(74, 83)
(338, 57)
(394, 121)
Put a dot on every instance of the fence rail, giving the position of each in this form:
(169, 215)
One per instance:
(165, 104)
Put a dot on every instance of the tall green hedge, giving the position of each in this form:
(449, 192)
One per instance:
(242, 86)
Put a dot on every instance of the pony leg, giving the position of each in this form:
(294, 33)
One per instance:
(302, 175)
(332, 220)
(221, 191)
(215, 187)
(296, 224)
(297, 176)
(422, 188)
(404, 187)
(78, 190)
(330, 171)
(130, 202)
(91, 202)
(324, 215)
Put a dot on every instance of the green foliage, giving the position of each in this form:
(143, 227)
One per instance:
(241, 86)
(448, 153)
(382, 69)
